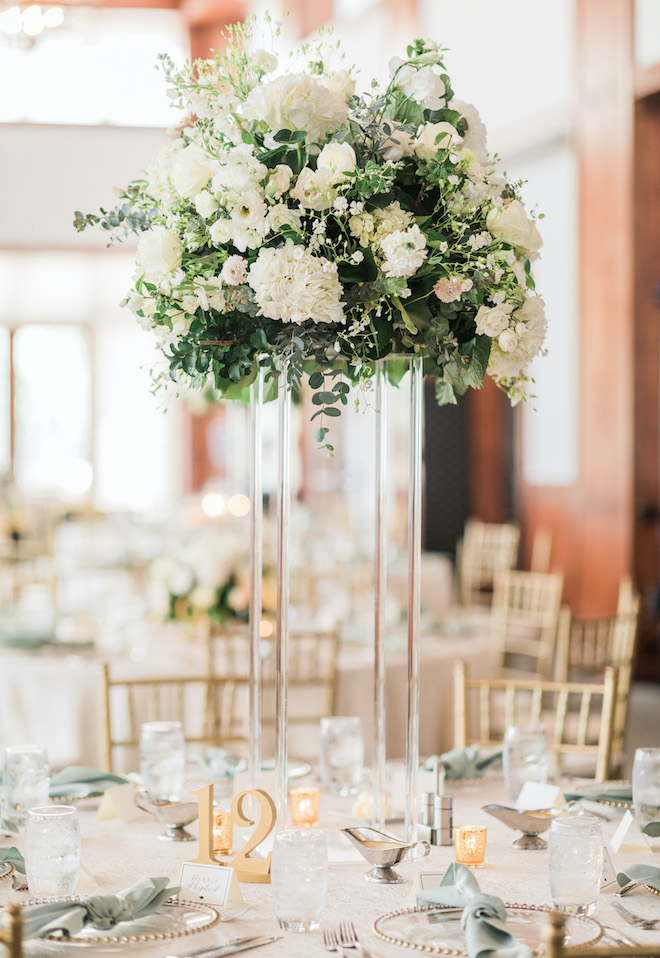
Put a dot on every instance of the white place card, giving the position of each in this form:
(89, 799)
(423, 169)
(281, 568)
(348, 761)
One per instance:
(535, 795)
(119, 802)
(212, 884)
(623, 828)
(423, 882)
(609, 874)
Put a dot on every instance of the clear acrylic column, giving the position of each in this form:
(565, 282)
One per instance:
(282, 619)
(378, 755)
(414, 563)
(256, 567)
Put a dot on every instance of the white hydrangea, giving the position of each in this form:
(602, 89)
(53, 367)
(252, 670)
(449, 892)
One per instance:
(292, 285)
(297, 101)
(405, 251)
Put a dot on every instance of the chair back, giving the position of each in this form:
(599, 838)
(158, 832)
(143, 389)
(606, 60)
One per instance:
(525, 620)
(578, 716)
(11, 932)
(485, 548)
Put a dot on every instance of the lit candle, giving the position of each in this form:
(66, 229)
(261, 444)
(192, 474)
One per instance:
(222, 832)
(470, 845)
(305, 804)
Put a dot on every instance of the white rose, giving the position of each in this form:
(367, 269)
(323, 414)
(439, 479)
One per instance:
(492, 320)
(341, 82)
(507, 340)
(423, 85)
(426, 147)
(264, 61)
(338, 159)
(221, 232)
(158, 252)
(191, 171)
(279, 181)
(281, 215)
(398, 144)
(530, 326)
(206, 204)
(511, 224)
(313, 189)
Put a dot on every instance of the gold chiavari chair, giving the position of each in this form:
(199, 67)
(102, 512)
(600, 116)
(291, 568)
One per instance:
(578, 716)
(525, 621)
(11, 931)
(484, 548)
(555, 948)
(213, 710)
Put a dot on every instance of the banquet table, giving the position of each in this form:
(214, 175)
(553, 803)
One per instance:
(116, 854)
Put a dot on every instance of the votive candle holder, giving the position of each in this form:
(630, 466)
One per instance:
(305, 802)
(470, 845)
(223, 833)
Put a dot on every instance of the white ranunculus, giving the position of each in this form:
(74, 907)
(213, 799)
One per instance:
(206, 204)
(338, 159)
(159, 251)
(492, 320)
(423, 85)
(292, 285)
(426, 147)
(511, 224)
(282, 215)
(297, 101)
(191, 171)
(474, 138)
(314, 189)
(279, 181)
(405, 251)
(398, 144)
(221, 232)
(265, 61)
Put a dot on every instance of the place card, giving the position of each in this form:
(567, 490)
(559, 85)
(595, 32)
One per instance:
(212, 884)
(119, 802)
(609, 875)
(423, 882)
(535, 795)
(623, 828)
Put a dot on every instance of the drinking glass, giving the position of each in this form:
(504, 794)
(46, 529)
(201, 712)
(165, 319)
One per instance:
(52, 850)
(576, 862)
(646, 794)
(341, 754)
(26, 780)
(299, 878)
(163, 760)
(524, 757)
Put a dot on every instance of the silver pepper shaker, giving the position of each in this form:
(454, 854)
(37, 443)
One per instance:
(443, 822)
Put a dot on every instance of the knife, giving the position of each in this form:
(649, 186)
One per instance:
(229, 947)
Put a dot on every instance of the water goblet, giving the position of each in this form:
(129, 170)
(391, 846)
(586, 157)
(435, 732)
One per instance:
(52, 850)
(299, 878)
(341, 754)
(575, 862)
(524, 757)
(163, 760)
(26, 780)
(646, 794)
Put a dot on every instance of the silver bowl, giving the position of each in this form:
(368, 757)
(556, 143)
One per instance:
(173, 815)
(384, 851)
(530, 823)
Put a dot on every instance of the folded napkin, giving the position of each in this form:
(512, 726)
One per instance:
(484, 916)
(218, 764)
(646, 874)
(13, 855)
(99, 911)
(77, 781)
(463, 762)
(608, 793)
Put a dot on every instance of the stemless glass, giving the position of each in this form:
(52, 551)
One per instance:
(52, 850)
(524, 757)
(646, 794)
(576, 862)
(26, 780)
(341, 754)
(163, 760)
(299, 878)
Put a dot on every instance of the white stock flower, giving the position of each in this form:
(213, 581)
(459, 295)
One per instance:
(433, 137)
(474, 138)
(405, 251)
(511, 224)
(159, 251)
(423, 85)
(399, 143)
(191, 171)
(337, 159)
(206, 204)
(264, 61)
(292, 285)
(282, 215)
(296, 101)
(530, 326)
(314, 189)
(279, 181)
(492, 320)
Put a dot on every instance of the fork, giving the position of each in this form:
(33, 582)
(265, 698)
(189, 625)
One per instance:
(645, 923)
(349, 939)
(331, 941)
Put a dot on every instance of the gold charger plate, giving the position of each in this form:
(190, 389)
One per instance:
(436, 929)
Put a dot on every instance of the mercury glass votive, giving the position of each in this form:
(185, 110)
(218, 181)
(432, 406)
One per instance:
(223, 833)
(304, 802)
(470, 845)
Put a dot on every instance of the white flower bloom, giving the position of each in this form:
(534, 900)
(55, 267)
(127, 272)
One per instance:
(234, 271)
(279, 181)
(357, 256)
(507, 340)
(239, 172)
(264, 61)
(314, 189)
(340, 204)
(474, 139)
(191, 171)
(423, 85)
(158, 176)
(361, 226)
(292, 285)
(221, 232)
(492, 320)
(296, 101)
(337, 159)
(390, 219)
(511, 224)
(282, 215)
(159, 251)
(519, 273)
(433, 137)
(511, 363)
(399, 143)
(340, 82)
(206, 204)
(405, 251)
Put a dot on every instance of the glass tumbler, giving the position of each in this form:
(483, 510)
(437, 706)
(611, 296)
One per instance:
(52, 850)
(26, 780)
(163, 760)
(341, 754)
(299, 878)
(646, 794)
(576, 862)
(524, 757)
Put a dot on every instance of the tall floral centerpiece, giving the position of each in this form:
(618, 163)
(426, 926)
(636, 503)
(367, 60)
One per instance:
(293, 227)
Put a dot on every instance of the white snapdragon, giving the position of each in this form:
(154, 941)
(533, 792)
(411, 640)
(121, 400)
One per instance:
(297, 101)
(405, 251)
(293, 285)
(511, 224)
(159, 251)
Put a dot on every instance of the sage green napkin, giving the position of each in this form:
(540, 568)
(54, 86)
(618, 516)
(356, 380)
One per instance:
(483, 918)
(608, 793)
(464, 762)
(99, 911)
(13, 855)
(77, 781)
(217, 763)
(646, 874)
